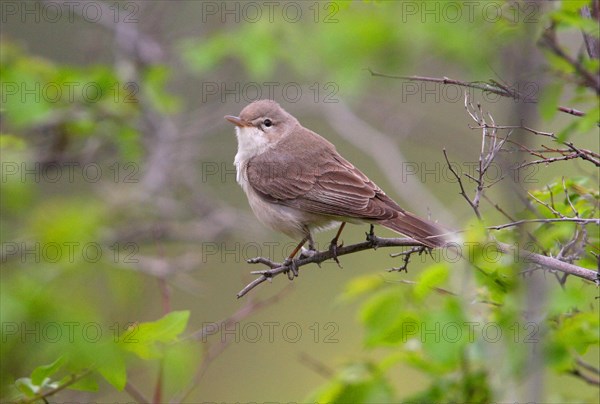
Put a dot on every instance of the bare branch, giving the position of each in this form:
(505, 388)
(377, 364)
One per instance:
(592, 44)
(373, 242)
(490, 86)
(551, 263)
(586, 378)
(564, 219)
(569, 198)
(462, 188)
(406, 257)
(550, 208)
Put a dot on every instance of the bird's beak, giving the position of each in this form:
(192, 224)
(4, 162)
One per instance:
(237, 121)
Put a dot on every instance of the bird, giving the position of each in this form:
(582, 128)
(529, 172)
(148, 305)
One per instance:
(297, 183)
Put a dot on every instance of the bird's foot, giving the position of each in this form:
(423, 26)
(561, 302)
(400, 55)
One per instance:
(307, 253)
(292, 271)
(333, 249)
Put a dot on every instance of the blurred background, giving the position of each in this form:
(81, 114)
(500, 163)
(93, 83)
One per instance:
(120, 205)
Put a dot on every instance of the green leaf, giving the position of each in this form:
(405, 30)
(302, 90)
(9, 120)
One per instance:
(549, 99)
(362, 285)
(386, 319)
(142, 339)
(429, 279)
(86, 383)
(40, 373)
(573, 6)
(356, 383)
(112, 368)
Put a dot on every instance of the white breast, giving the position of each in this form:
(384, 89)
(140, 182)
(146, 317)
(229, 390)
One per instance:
(251, 142)
(293, 222)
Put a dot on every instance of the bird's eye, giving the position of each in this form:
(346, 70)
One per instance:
(268, 123)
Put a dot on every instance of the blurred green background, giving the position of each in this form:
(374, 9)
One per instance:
(119, 199)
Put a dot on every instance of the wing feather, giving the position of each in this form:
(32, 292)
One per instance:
(335, 187)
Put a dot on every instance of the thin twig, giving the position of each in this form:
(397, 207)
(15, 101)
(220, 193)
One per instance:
(490, 86)
(316, 365)
(462, 188)
(550, 208)
(551, 220)
(43, 396)
(135, 393)
(569, 198)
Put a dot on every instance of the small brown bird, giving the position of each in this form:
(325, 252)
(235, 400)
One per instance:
(297, 183)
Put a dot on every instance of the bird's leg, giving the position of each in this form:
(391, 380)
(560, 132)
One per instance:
(333, 247)
(311, 248)
(289, 261)
(371, 235)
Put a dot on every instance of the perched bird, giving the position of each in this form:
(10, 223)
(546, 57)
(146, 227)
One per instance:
(297, 183)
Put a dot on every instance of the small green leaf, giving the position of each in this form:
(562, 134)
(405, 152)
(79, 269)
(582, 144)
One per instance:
(362, 285)
(40, 373)
(549, 99)
(429, 279)
(86, 383)
(142, 339)
(112, 368)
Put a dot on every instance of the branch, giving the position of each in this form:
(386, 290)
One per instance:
(581, 153)
(490, 86)
(135, 393)
(72, 380)
(553, 220)
(373, 242)
(551, 263)
(588, 379)
(549, 40)
(462, 188)
(592, 43)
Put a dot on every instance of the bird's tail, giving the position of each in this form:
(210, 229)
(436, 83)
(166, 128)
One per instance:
(424, 231)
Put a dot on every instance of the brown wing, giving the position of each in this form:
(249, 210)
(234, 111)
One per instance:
(289, 175)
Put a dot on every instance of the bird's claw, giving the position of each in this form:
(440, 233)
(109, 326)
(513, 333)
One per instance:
(333, 249)
(308, 253)
(292, 271)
